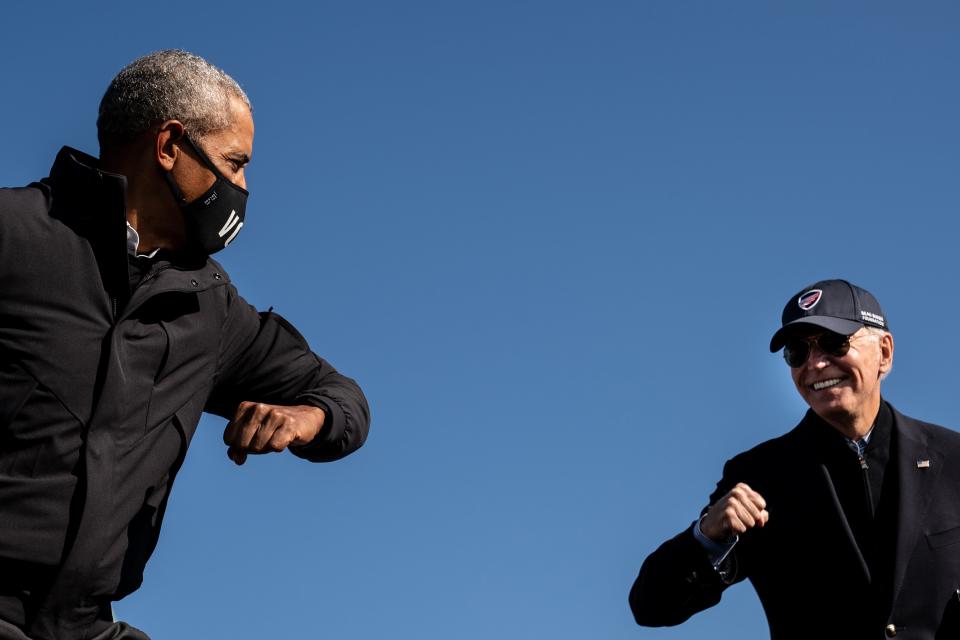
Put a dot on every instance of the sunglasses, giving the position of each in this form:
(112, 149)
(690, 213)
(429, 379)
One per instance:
(797, 350)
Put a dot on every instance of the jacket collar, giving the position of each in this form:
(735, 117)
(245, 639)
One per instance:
(79, 173)
(93, 203)
(96, 198)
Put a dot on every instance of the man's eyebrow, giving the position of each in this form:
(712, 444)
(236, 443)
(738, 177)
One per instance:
(238, 156)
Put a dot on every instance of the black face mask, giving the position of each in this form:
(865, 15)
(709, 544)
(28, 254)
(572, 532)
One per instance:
(216, 217)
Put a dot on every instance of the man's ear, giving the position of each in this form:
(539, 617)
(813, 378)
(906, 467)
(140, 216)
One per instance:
(166, 148)
(886, 352)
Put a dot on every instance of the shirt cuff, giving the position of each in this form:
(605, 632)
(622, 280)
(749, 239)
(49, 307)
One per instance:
(717, 552)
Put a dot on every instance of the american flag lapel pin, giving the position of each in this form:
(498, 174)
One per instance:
(923, 463)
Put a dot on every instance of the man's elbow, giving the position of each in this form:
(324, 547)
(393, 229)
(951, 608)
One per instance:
(645, 606)
(664, 595)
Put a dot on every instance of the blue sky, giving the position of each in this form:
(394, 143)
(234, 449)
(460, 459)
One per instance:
(551, 240)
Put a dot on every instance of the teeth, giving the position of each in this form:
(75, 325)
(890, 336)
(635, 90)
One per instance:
(823, 384)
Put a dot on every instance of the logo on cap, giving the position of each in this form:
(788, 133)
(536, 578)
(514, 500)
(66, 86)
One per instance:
(810, 299)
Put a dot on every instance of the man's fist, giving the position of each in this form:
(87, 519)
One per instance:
(737, 512)
(262, 428)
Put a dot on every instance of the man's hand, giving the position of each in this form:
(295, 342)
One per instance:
(737, 512)
(262, 428)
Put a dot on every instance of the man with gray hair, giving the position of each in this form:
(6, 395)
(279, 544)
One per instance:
(848, 525)
(117, 330)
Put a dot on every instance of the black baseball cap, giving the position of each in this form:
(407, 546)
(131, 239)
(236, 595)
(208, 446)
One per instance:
(835, 305)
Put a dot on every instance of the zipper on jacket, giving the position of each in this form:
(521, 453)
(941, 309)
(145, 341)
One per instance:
(865, 468)
(153, 274)
(113, 303)
(128, 308)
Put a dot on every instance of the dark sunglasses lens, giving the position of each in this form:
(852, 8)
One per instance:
(834, 344)
(795, 352)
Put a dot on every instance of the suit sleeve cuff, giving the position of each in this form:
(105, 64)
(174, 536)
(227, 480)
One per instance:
(334, 422)
(717, 552)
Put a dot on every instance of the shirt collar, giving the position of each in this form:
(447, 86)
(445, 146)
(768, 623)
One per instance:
(859, 447)
(882, 427)
(133, 243)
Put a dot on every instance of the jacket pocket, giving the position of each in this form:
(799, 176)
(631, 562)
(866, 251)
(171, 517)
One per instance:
(36, 428)
(17, 453)
(944, 538)
(15, 387)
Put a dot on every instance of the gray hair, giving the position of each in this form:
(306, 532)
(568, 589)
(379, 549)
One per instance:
(878, 333)
(167, 85)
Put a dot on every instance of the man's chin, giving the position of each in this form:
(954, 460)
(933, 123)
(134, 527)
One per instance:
(831, 410)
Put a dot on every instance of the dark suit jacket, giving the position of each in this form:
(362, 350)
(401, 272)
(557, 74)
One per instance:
(812, 578)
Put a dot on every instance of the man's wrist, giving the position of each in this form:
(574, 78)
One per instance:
(717, 552)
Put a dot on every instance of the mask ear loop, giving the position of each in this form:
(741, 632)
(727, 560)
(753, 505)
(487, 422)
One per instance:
(177, 193)
(203, 156)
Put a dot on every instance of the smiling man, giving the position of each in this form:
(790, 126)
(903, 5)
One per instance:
(848, 526)
(117, 330)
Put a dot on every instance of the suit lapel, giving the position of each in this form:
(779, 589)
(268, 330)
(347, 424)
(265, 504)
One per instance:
(835, 506)
(918, 466)
(813, 441)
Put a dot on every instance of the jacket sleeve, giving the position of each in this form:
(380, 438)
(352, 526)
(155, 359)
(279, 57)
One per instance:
(678, 580)
(263, 358)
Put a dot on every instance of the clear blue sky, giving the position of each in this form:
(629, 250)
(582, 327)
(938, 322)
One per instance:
(551, 240)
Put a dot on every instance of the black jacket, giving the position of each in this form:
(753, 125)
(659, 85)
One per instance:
(102, 384)
(812, 576)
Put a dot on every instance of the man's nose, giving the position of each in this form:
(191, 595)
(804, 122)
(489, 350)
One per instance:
(816, 359)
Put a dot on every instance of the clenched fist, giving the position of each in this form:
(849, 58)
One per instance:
(258, 427)
(737, 512)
